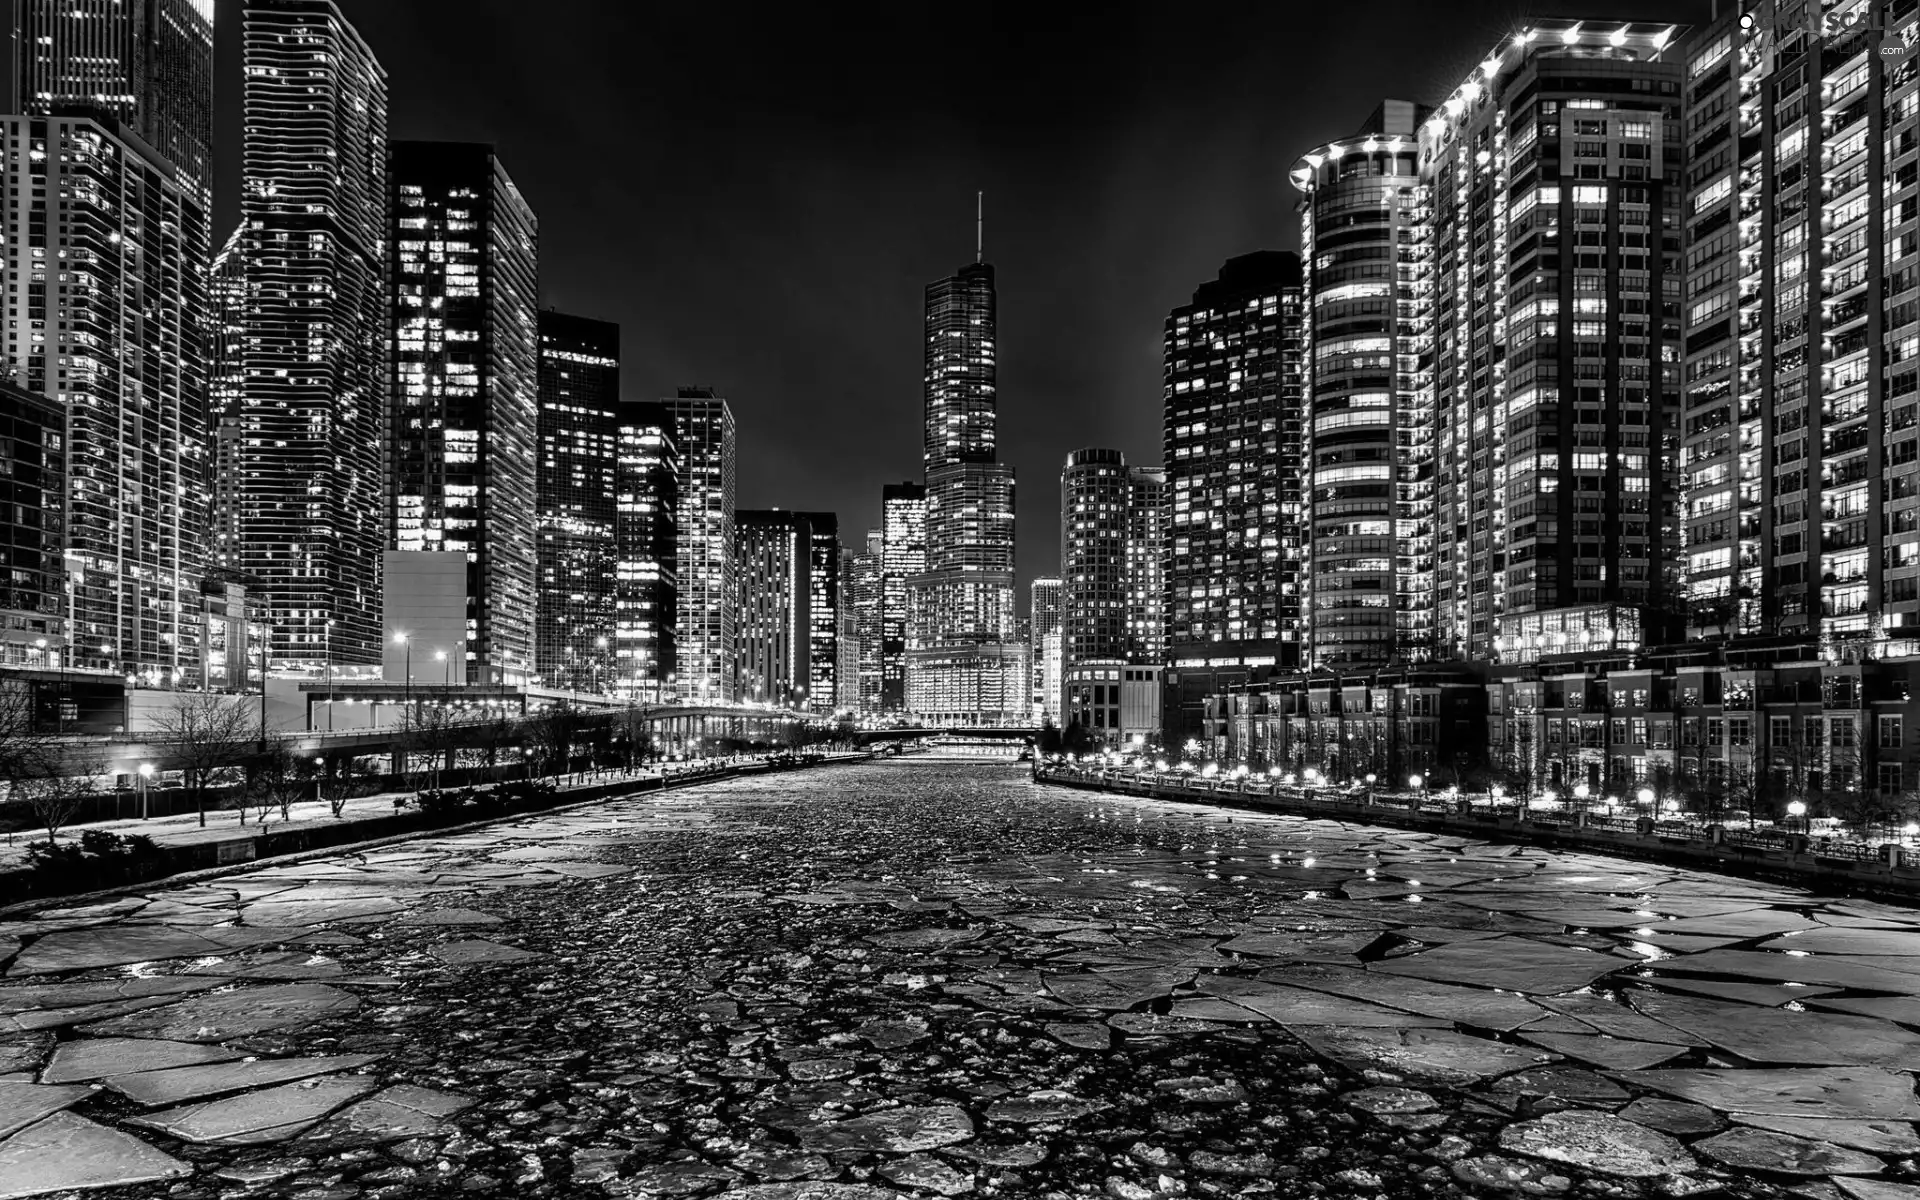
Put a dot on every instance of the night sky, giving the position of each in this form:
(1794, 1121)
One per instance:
(758, 193)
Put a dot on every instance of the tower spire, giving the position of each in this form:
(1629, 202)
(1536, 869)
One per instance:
(979, 226)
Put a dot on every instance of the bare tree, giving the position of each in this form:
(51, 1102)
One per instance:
(551, 736)
(427, 734)
(66, 783)
(278, 779)
(26, 752)
(210, 735)
(340, 778)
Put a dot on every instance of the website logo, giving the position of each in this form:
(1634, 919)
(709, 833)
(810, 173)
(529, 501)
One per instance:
(1895, 45)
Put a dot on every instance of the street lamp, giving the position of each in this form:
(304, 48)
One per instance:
(401, 639)
(146, 774)
(1580, 792)
(1371, 780)
(319, 767)
(1645, 797)
(1797, 809)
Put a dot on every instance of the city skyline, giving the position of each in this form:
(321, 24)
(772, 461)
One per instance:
(883, 229)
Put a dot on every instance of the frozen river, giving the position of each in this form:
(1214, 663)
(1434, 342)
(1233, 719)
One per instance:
(935, 978)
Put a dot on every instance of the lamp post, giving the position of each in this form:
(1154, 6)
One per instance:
(599, 661)
(407, 686)
(1582, 792)
(1797, 809)
(1371, 780)
(146, 774)
(1646, 798)
(1416, 783)
(319, 766)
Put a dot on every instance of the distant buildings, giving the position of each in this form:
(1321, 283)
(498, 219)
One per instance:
(774, 549)
(646, 593)
(824, 587)
(465, 401)
(868, 586)
(313, 515)
(903, 556)
(847, 644)
(577, 500)
(708, 595)
(1043, 622)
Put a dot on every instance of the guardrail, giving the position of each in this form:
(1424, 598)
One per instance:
(1850, 863)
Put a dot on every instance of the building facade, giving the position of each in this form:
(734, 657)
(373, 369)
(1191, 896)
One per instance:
(903, 557)
(313, 519)
(708, 593)
(646, 604)
(867, 584)
(33, 491)
(226, 392)
(1043, 618)
(1366, 225)
(960, 609)
(848, 647)
(146, 63)
(775, 550)
(824, 585)
(1233, 397)
(1555, 173)
(465, 411)
(116, 340)
(577, 501)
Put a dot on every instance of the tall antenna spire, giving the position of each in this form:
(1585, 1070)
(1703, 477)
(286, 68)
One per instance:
(979, 225)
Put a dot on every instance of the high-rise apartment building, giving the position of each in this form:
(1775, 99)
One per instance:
(103, 284)
(313, 519)
(647, 558)
(33, 488)
(1043, 620)
(960, 610)
(846, 669)
(576, 500)
(824, 584)
(1369, 438)
(148, 64)
(464, 420)
(226, 390)
(775, 551)
(903, 556)
(868, 588)
(1110, 580)
(708, 592)
(1555, 354)
(1233, 395)
(1800, 483)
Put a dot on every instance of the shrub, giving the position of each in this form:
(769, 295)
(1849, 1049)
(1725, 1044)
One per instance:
(440, 802)
(100, 857)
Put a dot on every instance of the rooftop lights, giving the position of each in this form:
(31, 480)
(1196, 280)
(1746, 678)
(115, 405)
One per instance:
(1571, 34)
(1618, 37)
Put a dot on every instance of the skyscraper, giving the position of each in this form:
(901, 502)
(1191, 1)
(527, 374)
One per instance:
(1110, 582)
(115, 339)
(146, 63)
(775, 550)
(314, 197)
(868, 588)
(903, 556)
(847, 647)
(1043, 629)
(824, 590)
(708, 592)
(962, 661)
(577, 501)
(226, 391)
(647, 542)
(1554, 358)
(1233, 395)
(1366, 226)
(465, 416)
(33, 487)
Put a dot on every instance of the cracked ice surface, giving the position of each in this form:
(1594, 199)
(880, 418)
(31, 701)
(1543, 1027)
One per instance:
(936, 979)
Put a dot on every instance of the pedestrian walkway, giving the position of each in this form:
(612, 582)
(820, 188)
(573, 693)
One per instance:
(184, 829)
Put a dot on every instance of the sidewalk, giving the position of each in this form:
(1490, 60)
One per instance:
(183, 829)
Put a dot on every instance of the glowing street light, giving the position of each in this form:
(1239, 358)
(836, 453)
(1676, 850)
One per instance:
(1797, 809)
(146, 776)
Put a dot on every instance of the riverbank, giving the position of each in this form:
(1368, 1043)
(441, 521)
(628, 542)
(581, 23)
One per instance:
(188, 848)
(1827, 865)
